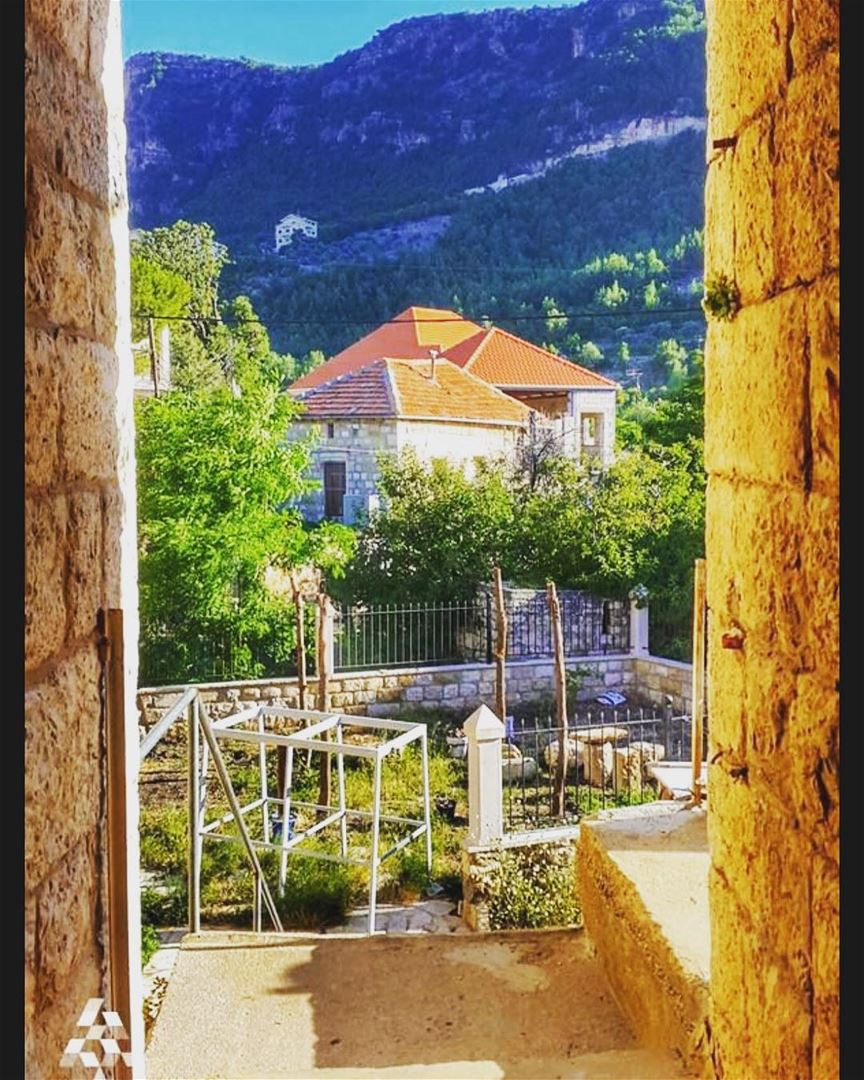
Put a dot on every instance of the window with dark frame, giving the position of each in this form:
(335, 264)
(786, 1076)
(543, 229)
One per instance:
(334, 489)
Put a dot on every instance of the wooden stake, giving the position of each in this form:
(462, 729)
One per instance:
(154, 371)
(699, 589)
(500, 646)
(282, 752)
(559, 792)
(325, 634)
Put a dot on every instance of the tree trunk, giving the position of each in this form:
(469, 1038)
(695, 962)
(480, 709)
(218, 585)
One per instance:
(559, 792)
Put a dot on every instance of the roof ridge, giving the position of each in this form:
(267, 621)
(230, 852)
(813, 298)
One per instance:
(392, 388)
(487, 334)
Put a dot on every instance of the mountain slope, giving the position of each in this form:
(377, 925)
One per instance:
(578, 129)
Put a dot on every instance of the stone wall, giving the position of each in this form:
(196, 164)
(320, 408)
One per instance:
(358, 450)
(461, 687)
(79, 503)
(771, 449)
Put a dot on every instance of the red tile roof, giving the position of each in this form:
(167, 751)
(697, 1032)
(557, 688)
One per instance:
(404, 389)
(496, 356)
(503, 359)
(409, 335)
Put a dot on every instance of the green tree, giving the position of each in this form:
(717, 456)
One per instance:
(438, 536)
(673, 356)
(612, 296)
(216, 478)
(555, 317)
(591, 354)
(623, 355)
(651, 295)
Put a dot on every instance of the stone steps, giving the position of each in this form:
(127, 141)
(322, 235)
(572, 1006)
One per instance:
(643, 880)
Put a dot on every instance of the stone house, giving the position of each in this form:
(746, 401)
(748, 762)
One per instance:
(579, 402)
(431, 406)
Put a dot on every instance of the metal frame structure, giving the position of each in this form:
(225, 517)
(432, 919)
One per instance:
(315, 736)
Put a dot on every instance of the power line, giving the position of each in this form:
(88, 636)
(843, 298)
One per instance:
(397, 322)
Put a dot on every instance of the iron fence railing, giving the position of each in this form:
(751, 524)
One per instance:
(408, 635)
(607, 754)
(414, 634)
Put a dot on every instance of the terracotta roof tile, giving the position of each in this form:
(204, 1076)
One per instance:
(365, 391)
(409, 335)
(404, 389)
(455, 394)
(503, 359)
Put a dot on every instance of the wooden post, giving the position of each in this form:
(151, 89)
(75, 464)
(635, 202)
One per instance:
(325, 652)
(154, 371)
(559, 792)
(500, 646)
(699, 584)
(119, 945)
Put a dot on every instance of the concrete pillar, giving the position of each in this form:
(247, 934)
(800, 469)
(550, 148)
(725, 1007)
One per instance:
(638, 629)
(485, 733)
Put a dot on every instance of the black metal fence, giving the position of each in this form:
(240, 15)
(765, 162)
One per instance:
(464, 631)
(422, 633)
(408, 635)
(607, 757)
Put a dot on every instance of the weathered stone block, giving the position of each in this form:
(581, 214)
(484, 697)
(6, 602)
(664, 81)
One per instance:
(68, 23)
(67, 917)
(815, 30)
(42, 408)
(66, 119)
(758, 370)
(750, 982)
(413, 693)
(450, 691)
(746, 48)
(753, 200)
(84, 563)
(44, 576)
(432, 693)
(823, 327)
(807, 221)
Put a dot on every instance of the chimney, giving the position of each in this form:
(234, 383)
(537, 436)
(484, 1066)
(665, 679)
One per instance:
(433, 353)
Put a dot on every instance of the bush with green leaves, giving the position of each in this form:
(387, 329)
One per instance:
(527, 888)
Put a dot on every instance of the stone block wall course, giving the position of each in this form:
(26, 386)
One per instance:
(771, 442)
(79, 500)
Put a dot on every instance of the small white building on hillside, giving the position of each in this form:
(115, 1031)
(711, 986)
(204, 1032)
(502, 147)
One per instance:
(291, 224)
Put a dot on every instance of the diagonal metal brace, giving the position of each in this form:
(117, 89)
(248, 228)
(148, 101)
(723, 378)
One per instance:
(225, 780)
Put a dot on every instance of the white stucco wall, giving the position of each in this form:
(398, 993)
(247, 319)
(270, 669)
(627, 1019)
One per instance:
(460, 443)
(595, 403)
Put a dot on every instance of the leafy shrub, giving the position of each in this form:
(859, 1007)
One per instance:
(527, 888)
(149, 943)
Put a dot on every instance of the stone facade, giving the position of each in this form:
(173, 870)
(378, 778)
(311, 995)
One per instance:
(357, 449)
(358, 442)
(771, 449)
(79, 508)
(600, 406)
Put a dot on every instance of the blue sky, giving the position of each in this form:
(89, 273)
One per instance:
(277, 31)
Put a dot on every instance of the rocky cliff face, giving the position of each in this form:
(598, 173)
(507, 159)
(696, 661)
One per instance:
(429, 108)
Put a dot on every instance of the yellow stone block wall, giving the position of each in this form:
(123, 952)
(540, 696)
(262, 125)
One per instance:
(771, 431)
(79, 497)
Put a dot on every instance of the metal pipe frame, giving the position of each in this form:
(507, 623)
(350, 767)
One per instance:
(304, 739)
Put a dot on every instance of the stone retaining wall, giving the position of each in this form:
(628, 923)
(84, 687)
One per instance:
(461, 688)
